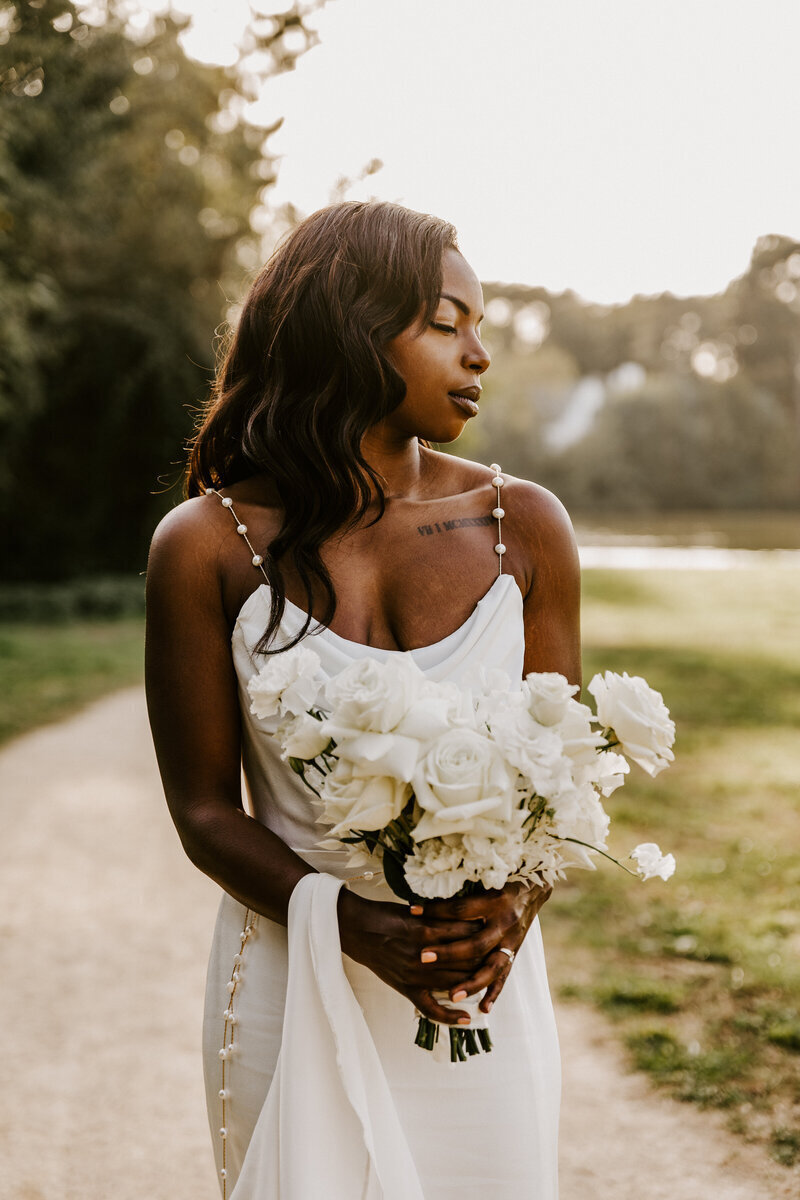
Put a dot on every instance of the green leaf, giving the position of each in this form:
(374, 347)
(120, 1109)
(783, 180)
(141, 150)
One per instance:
(393, 873)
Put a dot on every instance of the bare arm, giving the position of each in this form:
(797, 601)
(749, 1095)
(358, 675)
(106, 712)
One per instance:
(194, 714)
(542, 532)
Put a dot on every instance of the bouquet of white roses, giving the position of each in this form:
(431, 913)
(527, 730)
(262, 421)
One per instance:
(451, 790)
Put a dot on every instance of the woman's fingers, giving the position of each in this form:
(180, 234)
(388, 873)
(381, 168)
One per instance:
(491, 975)
(434, 933)
(495, 988)
(431, 1008)
(465, 951)
(464, 908)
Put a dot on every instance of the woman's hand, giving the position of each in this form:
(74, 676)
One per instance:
(449, 945)
(391, 941)
(503, 917)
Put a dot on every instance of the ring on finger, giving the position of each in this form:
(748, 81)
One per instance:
(511, 953)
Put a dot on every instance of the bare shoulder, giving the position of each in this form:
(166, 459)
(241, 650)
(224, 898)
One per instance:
(538, 531)
(532, 509)
(454, 476)
(189, 537)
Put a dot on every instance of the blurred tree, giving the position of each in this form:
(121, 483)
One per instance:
(127, 179)
(712, 419)
(667, 448)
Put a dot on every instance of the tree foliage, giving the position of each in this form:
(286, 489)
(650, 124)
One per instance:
(699, 397)
(127, 180)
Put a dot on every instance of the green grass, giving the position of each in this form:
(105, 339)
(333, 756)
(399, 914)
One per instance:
(49, 671)
(714, 954)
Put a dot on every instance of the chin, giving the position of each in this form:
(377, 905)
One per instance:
(444, 433)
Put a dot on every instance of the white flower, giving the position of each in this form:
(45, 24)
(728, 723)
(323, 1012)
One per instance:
(579, 814)
(638, 716)
(650, 862)
(581, 742)
(492, 860)
(305, 738)
(547, 696)
(462, 778)
(287, 683)
(383, 715)
(534, 750)
(609, 771)
(351, 802)
(372, 696)
(435, 870)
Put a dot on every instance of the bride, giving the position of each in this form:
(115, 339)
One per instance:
(319, 510)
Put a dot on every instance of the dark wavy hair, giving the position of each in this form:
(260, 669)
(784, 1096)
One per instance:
(306, 374)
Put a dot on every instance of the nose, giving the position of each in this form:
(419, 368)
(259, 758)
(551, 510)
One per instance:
(477, 357)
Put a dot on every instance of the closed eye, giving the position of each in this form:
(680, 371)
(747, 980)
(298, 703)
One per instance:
(443, 328)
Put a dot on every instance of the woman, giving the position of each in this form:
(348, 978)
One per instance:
(319, 509)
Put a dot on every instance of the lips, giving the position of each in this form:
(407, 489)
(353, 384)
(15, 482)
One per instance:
(467, 399)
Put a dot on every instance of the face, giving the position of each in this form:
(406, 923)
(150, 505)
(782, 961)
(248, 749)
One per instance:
(442, 362)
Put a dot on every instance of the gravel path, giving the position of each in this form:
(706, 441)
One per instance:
(104, 929)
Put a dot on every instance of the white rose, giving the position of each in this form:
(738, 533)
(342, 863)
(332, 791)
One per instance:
(305, 738)
(462, 778)
(638, 716)
(547, 696)
(534, 750)
(287, 683)
(383, 716)
(372, 696)
(351, 803)
(650, 862)
(580, 741)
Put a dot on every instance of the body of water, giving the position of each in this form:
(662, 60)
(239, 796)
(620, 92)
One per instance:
(679, 541)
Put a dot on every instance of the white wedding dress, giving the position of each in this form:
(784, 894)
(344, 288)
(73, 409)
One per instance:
(326, 1095)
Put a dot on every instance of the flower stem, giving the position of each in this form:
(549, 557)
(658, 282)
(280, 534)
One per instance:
(597, 850)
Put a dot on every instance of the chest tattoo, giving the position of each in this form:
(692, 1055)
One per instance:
(455, 523)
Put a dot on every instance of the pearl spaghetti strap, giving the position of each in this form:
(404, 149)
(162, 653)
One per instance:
(258, 561)
(498, 513)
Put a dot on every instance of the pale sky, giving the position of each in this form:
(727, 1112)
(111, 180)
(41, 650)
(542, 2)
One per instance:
(611, 146)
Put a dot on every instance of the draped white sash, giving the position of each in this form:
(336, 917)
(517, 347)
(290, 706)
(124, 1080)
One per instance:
(328, 1127)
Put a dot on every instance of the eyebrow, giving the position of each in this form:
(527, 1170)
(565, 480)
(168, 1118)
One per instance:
(460, 304)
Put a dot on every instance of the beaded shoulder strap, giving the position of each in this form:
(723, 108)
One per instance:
(257, 559)
(498, 513)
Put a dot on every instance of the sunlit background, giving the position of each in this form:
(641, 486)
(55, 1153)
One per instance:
(625, 179)
(609, 148)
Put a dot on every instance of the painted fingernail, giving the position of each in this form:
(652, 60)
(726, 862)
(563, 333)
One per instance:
(428, 956)
(416, 910)
(488, 1007)
(463, 1020)
(459, 995)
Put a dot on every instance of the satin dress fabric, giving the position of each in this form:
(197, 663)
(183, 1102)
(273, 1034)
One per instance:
(328, 1095)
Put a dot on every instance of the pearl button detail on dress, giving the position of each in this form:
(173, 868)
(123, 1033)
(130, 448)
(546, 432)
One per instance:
(230, 1047)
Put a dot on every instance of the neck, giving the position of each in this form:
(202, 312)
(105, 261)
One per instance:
(398, 461)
